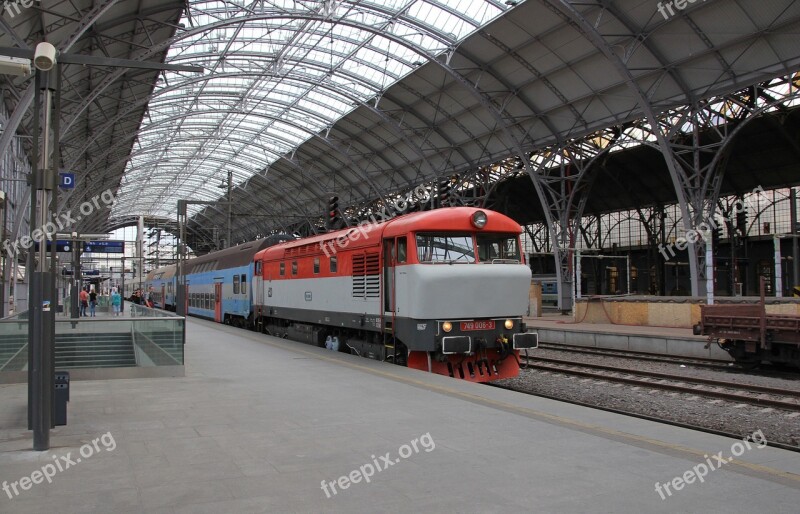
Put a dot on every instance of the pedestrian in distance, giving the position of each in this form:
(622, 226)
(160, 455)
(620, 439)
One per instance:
(93, 303)
(116, 302)
(83, 298)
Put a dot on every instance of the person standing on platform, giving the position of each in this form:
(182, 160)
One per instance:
(92, 302)
(83, 297)
(116, 302)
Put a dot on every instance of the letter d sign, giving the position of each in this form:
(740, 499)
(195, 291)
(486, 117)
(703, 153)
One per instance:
(66, 180)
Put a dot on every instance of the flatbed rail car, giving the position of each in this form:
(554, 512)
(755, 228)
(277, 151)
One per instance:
(750, 335)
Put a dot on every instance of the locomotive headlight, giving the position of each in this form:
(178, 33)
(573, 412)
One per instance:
(447, 326)
(479, 219)
(509, 324)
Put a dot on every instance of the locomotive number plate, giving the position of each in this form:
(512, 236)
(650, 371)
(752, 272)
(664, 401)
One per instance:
(477, 325)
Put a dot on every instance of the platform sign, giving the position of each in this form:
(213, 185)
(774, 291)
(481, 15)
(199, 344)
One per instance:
(66, 180)
(104, 246)
(61, 246)
(91, 273)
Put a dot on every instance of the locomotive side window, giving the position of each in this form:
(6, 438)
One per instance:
(244, 284)
(498, 247)
(445, 248)
(402, 249)
(334, 263)
(294, 268)
(316, 265)
(236, 284)
(283, 269)
(258, 268)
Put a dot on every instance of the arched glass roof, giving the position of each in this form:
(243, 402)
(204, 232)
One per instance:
(277, 74)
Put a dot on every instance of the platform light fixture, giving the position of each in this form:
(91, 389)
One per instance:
(15, 66)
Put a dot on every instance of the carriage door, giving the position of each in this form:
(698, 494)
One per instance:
(218, 302)
(163, 300)
(388, 283)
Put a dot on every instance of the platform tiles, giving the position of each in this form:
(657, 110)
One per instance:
(264, 425)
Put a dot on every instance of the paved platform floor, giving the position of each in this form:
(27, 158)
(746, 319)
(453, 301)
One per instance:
(258, 423)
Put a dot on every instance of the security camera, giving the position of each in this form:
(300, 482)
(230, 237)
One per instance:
(45, 56)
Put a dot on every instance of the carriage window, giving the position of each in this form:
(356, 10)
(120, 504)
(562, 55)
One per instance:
(402, 249)
(316, 265)
(283, 268)
(294, 267)
(445, 248)
(334, 264)
(236, 284)
(244, 284)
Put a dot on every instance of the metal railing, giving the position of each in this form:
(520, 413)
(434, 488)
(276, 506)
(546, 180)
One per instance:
(141, 337)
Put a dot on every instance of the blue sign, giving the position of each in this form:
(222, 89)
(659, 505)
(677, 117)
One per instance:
(61, 246)
(104, 246)
(66, 180)
(91, 273)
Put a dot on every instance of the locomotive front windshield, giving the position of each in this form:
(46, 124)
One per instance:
(445, 248)
(494, 248)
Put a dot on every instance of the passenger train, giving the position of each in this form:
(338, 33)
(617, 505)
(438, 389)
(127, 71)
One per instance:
(442, 291)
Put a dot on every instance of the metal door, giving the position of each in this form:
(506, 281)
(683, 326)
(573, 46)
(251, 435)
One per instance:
(218, 302)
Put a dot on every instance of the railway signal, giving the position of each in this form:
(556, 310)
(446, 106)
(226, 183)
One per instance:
(334, 215)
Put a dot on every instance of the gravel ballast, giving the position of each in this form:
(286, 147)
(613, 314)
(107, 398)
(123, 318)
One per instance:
(778, 426)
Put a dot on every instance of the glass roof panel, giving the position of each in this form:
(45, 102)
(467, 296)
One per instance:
(278, 72)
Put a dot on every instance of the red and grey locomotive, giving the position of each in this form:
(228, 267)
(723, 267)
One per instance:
(442, 291)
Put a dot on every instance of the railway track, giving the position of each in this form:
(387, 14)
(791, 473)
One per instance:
(639, 415)
(741, 393)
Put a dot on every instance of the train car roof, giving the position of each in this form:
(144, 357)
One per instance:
(234, 256)
(456, 219)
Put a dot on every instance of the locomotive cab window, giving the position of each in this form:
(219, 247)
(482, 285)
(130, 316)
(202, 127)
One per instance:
(258, 268)
(494, 248)
(454, 248)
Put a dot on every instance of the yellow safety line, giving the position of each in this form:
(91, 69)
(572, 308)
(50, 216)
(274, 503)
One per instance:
(535, 413)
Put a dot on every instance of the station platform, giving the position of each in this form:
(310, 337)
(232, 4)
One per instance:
(258, 424)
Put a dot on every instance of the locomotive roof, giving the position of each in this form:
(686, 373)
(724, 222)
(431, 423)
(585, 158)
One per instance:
(456, 219)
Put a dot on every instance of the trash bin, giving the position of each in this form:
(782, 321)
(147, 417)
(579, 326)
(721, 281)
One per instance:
(61, 384)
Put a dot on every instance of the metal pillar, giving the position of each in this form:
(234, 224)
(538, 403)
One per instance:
(795, 242)
(41, 322)
(228, 242)
(180, 279)
(778, 285)
(74, 302)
